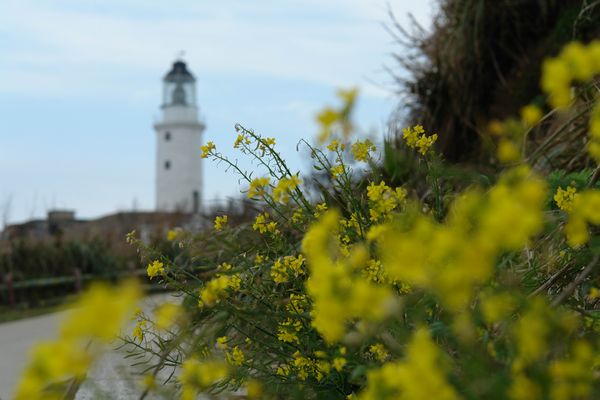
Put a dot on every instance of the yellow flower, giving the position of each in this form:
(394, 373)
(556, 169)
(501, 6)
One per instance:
(155, 268)
(564, 198)
(166, 315)
(507, 151)
(379, 352)
(339, 295)
(281, 192)
(172, 234)
(326, 119)
(138, 332)
(584, 210)
(416, 138)
(383, 200)
(236, 356)
(254, 389)
(257, 187)
(337, 170)
(220, 222)
(198, 375)
(360, 150)
(425, 142)
(419, 376)
(531, 114)
(298, 215)
(287, 331)
(207, 149)
(217, 289)
(336, 145)
(241, 139)
(263, 225)
(338, 363)
(222, 342)
(259, 259)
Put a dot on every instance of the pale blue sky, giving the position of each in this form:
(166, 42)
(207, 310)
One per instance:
(80, 85)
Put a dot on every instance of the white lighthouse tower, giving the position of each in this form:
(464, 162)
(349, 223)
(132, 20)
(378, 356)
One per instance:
(178, 141)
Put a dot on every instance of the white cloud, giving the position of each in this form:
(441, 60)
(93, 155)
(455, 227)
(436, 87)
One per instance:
(53, 50)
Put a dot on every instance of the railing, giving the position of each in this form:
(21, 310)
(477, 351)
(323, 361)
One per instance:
(10, 286)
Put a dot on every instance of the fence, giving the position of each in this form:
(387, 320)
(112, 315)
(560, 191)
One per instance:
(12, 291)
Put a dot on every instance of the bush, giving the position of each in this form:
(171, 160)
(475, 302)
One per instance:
(489, 291)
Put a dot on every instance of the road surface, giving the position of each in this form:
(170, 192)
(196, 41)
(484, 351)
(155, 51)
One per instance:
(110, 378)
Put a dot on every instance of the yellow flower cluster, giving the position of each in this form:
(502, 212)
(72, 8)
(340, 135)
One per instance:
(379, 352)
(288, 331)
(531, 115)
(96, 318)
(453, 258)
(138, 330)
(207, 149)
(593, 145)
(337, 170)
(335, 145)
(257, 187)
(235, 356)
(361, 149)
(572, 378)
(339, 294)
(281, 192)
(298, 215)
(419, 376)
(166, 315)
(241, 139)
(281, 271)
(575, 63)
(155, 268)
(220, 222)
(307, 366)
(564, 198)
(263, 225)
(416, 138)
(217, 289)
(172, 234)
(197, 375)
(330, 118)
(584, 210)
(383, 200)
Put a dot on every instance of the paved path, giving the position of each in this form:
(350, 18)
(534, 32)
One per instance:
(109, 379)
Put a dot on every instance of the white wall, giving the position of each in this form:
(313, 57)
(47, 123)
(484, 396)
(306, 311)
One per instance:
(175, 186)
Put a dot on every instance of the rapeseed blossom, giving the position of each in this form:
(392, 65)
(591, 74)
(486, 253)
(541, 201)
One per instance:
(197, 375)
(584, 210)
(207, 149)
(220, 222)
(166, 315)
(338, 293)
(281, 192)
(217, 289)
(236, 356)
(155, 268)
(383, 200)
(420, 375)
(531, 114)
(415, 138)
(564, 198)
(263, 225)
(257, 187)
(361, 150)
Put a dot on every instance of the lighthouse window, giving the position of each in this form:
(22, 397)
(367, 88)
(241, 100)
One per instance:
(167, 136)
(167, 164)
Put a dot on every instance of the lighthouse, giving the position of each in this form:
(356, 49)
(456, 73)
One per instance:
(178, 141)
